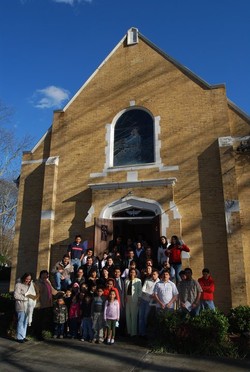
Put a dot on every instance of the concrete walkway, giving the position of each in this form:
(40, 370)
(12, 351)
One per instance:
(74, 355)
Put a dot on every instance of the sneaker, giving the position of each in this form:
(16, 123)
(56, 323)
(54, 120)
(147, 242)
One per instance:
(112, 341)
(55, 336)
(61, 336)
(82, 339)
(20, 341)
(108, 341)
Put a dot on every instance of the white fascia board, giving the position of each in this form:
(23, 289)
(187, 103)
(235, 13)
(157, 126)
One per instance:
(94, 73)
(40, 141)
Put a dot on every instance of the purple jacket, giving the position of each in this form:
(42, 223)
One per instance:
(111, 310)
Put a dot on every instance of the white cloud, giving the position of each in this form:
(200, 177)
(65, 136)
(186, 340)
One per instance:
(50, 97)
(72, 2)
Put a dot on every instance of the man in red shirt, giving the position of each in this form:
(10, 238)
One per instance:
(207, 296)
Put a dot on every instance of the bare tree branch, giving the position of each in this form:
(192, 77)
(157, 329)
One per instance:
(10, 159)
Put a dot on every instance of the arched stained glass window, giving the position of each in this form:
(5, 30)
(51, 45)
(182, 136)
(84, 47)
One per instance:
(134, 138)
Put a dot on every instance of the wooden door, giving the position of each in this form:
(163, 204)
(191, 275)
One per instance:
(103, 235)
(156, 231)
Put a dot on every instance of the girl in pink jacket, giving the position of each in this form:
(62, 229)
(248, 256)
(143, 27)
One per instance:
(111, 315)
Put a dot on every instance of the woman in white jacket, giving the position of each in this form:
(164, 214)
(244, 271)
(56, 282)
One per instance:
(22, 298)
(133, 291)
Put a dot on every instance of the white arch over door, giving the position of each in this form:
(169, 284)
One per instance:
(141, 203)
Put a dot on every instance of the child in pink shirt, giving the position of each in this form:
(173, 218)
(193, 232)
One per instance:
(111, 315)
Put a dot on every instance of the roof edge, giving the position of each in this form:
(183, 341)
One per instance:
(183, 68)
(93, 74)
(40, 141)
(238, 110)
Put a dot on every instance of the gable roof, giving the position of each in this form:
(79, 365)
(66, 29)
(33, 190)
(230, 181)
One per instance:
(178, 65)
(181, 67)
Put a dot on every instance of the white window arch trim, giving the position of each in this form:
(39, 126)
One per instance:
(110, 135)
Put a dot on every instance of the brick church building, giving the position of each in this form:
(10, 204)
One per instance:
(144, 147)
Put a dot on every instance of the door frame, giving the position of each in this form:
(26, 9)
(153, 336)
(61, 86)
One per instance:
(136, 202)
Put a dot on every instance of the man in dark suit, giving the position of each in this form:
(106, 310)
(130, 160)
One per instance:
(128, 259)
(116, 245)
(88, 267)
(140, 256)
(120, 285)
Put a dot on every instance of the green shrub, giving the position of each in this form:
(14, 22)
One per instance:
(171, 332)
(211, 325)
(7, 295)
(239, 319)
(47, 334)
(7, 314)
(7, 303)
(206, 334)
(209, 334)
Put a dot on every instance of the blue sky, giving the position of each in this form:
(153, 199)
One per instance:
(49, 48)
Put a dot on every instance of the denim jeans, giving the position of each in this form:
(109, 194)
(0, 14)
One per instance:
(174, 272)
(144, 310)
(61, 284)
(87, 331)
(73, 327)
(59, 329)
(76, 263)
(207, 304)
(194, 312)
(98, 324)
(22, 323)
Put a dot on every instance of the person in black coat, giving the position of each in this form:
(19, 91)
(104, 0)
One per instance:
(120, 285)
(140, 256)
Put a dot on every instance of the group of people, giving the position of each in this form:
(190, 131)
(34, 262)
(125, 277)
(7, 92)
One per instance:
(93, 298)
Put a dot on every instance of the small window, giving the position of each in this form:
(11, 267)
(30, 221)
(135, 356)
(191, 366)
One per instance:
(132, 36)
(134, 138)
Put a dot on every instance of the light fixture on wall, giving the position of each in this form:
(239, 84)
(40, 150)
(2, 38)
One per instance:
(244, 146)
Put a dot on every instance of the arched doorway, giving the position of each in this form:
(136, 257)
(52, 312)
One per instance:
(137, 224)
(130, 217)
